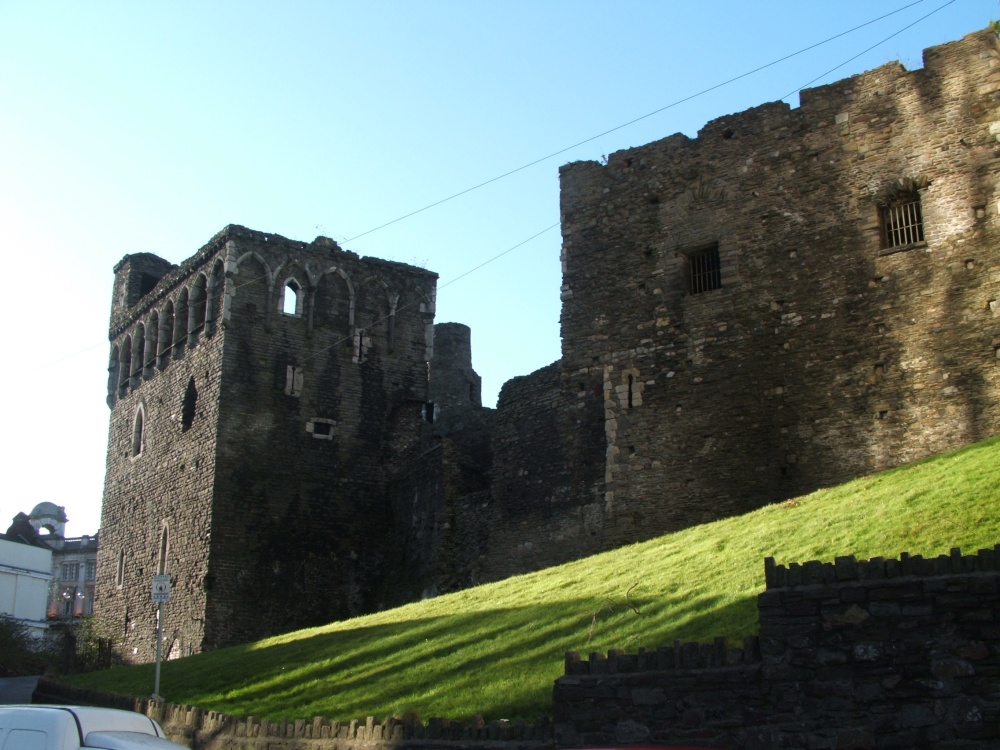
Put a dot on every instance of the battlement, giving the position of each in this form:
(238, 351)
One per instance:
(966, 65)
(849, 569)
(795, 297)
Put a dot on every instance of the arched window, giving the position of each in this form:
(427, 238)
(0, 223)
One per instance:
(124, 367)
(161, 564)
(188, 407)
(215, 285)
(138, 354)
(197, 306)
(138, 428)
(152, 340)
(165, 337)
(114, 367)
(291, 298)
(180, 323)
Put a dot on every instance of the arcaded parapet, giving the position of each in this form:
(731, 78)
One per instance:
(796, 297)
(262, 394)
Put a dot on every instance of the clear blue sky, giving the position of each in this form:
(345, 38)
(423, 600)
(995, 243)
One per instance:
(148, 126)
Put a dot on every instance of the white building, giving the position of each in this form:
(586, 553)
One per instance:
(74, 563)
(25, 573)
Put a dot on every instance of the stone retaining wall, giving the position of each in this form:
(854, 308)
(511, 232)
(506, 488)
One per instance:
(212, 730)
(853, 654)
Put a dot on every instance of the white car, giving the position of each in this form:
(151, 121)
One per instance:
(79, 728)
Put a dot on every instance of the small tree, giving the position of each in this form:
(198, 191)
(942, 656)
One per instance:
(20, 653)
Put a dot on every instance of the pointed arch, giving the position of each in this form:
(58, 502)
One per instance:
(152, 344)
(165, 336)
(252, 288)
(125, 367)
(291, 292)
(138, 354)
(114, 368)
(213, 304)
(292, 297)
(371, 313)
(334, 300)
(180, 323)
(196, 308)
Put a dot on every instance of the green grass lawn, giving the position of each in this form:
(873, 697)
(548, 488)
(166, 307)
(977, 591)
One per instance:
(496, 649)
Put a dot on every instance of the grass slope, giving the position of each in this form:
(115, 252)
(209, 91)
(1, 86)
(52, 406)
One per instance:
(496, 649)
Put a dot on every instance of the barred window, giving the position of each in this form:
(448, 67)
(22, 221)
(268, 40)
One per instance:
(902, 223)
(704, 272)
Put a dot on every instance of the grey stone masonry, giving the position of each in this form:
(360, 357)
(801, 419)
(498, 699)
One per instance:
(263, 393)
(794, 298)
(880, 653)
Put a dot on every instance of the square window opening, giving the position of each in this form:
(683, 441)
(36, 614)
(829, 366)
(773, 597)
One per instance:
(703, 270)
(902, 223)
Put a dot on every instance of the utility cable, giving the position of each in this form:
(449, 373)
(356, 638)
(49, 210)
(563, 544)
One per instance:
(866, 51)
(637, 119)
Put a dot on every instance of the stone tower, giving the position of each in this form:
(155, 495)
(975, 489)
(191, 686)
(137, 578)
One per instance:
(794, 298)
(262, 395)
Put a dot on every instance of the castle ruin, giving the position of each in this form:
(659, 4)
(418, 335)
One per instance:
(793, 298)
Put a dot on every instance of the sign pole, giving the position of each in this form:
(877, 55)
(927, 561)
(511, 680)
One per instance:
(159, 642)
(161, 594)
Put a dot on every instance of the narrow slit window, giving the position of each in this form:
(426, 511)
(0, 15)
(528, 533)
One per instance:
(293, 380)
(704, 270)
(902, 223)
(188, 406)
(361, 344)
(120, 576)
(137, 431)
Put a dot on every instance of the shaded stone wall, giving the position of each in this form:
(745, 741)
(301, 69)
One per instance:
(280, 385)
(545, 499)
(853, 654)
(822, 354)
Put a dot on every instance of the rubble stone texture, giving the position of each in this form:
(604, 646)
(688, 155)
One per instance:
(794, 298)
(823, 354)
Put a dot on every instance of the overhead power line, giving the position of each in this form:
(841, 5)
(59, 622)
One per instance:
(654, 112)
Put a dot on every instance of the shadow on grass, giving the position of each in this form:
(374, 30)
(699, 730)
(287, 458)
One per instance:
(500, 663)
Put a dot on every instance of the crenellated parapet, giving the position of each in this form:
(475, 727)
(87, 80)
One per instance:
(794, 297)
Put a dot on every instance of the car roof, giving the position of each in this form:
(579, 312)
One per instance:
(85, 720)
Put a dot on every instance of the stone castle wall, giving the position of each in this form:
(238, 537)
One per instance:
(852, 654)
(277, 387)
(817, 347)
(817, 353)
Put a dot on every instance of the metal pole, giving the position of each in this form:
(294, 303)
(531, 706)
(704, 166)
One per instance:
(159, 641)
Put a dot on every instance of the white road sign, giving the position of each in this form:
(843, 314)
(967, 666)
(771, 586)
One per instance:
(161, 588)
